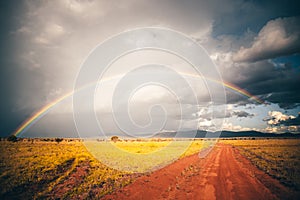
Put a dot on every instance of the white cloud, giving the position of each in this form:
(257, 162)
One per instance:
(276, 121)
(205, 124)
(230, 127)
(275, 117)
(281, 129)
(278, 37)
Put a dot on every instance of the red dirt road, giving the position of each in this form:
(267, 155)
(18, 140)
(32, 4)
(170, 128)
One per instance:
(223, 174)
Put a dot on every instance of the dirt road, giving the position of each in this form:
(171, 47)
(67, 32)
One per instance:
(223, 174)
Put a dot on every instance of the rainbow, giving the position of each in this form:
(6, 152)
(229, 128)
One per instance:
(231, 86)
(36, 116)
(243, 92)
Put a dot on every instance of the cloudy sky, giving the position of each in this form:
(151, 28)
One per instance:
(255, 46)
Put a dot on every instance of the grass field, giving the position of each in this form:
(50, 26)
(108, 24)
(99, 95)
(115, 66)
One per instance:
(67, 169)
(278, 158)
(143, 156)
(43, 169)
(41, 166)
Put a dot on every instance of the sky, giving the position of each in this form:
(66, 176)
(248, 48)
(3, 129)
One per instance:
(254, 45)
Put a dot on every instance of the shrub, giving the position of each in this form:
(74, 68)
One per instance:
(114, 138)
(58, 140)
(12, 138)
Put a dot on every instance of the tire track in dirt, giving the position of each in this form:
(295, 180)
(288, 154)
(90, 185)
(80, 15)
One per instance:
(223, 174)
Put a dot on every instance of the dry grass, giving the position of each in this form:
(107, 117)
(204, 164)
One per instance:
(280, 158)
(46, 169)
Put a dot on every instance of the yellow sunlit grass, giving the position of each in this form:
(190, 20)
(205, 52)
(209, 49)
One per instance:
(41, 167)
(143, 155)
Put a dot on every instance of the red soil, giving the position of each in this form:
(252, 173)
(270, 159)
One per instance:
(75, 178)
(223, 174)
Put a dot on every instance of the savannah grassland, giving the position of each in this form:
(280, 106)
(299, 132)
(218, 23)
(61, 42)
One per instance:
(279, 158)
(42, 169)
(47, 169)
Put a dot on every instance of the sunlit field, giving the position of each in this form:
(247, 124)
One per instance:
(278, 158)
(52, 169)
(43, 169)
(144, 155)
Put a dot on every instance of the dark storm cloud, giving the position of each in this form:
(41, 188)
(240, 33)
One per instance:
(9, 73)
(267, 81)
(272, 81)
(242, 113)
(277, 38)
(288, 105)
(43, 44)
(285, 100)
(270, 30)
(252, 15)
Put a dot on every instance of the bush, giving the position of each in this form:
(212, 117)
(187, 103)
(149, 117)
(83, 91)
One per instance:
(58, 140)
(12, 138)
(114, 138)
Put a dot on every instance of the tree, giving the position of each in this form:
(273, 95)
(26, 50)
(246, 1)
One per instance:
(58, 140)
(12, 138)
(114, 138)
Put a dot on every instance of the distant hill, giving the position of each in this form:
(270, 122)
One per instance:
(224, 134)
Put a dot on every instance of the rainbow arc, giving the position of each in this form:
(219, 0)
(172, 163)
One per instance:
(36, 116)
